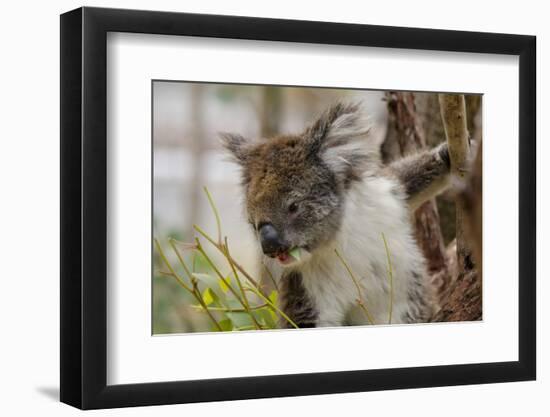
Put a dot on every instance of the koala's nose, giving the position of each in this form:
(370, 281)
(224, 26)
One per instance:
(271, 241)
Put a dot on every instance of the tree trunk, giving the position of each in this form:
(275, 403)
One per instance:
(427, 108)
(453, 113)
(463, 299)
(405, 136)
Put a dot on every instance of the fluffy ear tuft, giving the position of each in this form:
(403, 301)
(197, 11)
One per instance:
(237, 146)
(340, 138)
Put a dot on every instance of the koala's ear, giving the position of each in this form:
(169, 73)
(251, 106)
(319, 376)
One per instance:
(340, 138)
(237, 146)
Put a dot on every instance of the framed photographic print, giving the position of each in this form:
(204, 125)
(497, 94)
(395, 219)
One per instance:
(258, 208)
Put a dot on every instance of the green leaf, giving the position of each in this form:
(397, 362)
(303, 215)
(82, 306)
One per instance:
(226, 325)
(208, 296)
(240, 319)
(295, 253)
(265, 318)
(273, 297)
(223, 286)
(233, 304)
(274, 317)
(206, 279)
(212, 283)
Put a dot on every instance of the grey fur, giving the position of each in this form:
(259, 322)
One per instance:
(423, 175)
(420, 304)
(296, 303)
(332, 173)
(330, 138)
(237, 146)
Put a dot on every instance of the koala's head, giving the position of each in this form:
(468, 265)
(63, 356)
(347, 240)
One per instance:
(296, 185)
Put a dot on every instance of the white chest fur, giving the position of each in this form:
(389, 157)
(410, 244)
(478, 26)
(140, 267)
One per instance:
(374, 208)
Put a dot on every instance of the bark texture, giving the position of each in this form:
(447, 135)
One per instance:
(451, 270)
(405, 136)
(462, 300)
(453, 114)
(427, 106)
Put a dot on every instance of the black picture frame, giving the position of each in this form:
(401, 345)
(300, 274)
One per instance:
(84, 207)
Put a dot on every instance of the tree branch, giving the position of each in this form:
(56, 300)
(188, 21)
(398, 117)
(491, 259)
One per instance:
(453, 114)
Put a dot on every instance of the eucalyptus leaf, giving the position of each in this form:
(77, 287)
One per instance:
(223, 285)
(274, 317)
(273, 297)
(212, 283)
(208, 296)
(264, 317)
(233, 304)
(206, 279)
(240, 319)
(295, 253)
(226, 325)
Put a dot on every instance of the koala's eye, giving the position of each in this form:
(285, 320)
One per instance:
(293, 208)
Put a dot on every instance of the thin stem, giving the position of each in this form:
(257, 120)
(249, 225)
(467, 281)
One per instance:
(195, 293)
(228, 257)
(256, 288)
(238, 310)
(356, 282)
(219, 247)
(184, 265)
(219, 274)
(242, 328)
(165, 273)
(171, 241)
(245, 299)
(169, 266)
(198, 296)
(273, 306)
(271, 276)
(193, 290)
(194, 263)
(216, 214)
(390, 276)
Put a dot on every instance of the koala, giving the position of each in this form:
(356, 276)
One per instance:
(326, 189)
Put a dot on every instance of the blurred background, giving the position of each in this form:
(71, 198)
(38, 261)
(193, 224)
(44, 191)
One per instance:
(187, 156)
(187, 119)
